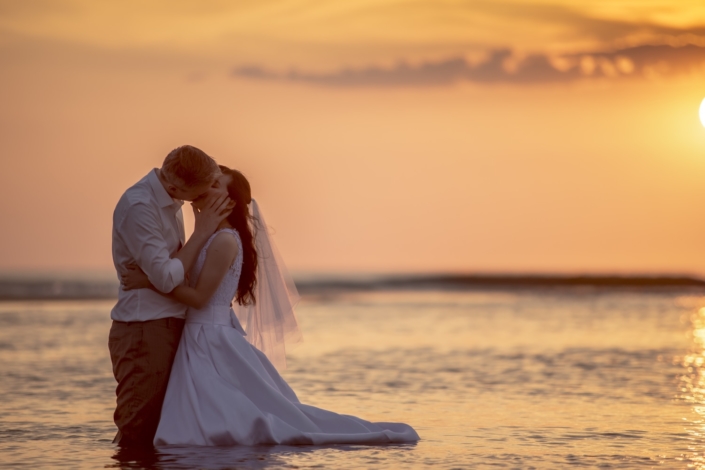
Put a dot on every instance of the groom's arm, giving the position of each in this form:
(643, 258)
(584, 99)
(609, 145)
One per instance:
(142, 233)
(219, 259)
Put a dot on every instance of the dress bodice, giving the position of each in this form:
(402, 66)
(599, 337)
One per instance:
(225, 293)
(218, 310)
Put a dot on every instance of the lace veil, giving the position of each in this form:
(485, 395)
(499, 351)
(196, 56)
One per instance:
(270, 322)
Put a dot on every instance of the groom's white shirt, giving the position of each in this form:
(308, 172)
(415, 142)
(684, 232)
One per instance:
(148, 229)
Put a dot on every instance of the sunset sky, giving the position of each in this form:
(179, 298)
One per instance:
(379, 136)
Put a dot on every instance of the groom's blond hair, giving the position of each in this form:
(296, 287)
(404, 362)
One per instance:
(190, 166)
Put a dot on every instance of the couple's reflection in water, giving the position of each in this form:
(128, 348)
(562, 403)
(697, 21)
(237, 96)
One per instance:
(188, 457)
(259, 457)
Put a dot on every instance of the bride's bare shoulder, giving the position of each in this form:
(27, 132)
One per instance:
(224, 243)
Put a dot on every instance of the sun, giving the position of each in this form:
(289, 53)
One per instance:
(702, 112)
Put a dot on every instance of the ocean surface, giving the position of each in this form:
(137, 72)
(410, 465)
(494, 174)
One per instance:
(496, 378)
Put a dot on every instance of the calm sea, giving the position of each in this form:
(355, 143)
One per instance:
(594, 378)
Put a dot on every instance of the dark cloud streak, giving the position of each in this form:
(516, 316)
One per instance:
(613, 60)
(502, 66)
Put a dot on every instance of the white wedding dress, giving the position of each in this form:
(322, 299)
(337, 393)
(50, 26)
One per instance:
(223, 391)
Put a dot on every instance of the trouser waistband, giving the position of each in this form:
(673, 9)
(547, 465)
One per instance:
(169, 322)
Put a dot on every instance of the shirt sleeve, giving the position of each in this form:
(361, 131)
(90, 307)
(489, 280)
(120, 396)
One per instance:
(142, 234)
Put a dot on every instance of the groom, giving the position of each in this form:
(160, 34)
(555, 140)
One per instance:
(148, 230)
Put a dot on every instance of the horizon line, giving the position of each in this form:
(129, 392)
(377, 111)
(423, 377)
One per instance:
(85, 289)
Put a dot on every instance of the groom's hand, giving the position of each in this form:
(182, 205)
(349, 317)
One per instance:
(215, 209)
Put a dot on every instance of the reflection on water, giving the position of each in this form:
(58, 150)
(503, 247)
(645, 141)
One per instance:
(489, 380)
(261, 457)
(692, 389)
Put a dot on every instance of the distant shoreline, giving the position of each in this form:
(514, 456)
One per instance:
(67, 289)
(501, 282)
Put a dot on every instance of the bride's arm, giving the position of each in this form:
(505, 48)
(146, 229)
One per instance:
(219, 257)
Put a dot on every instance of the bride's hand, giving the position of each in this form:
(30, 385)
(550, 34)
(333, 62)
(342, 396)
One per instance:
(211, 213)
(134, 278)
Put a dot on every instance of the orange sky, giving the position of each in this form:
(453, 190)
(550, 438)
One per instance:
(379, 135)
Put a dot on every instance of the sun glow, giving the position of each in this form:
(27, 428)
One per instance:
(702, 112)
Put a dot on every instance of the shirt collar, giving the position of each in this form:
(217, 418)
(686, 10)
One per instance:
(163, 198)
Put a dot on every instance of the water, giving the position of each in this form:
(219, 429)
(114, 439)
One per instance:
(526, 379)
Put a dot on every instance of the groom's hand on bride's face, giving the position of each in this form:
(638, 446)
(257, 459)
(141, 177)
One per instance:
(216, 208)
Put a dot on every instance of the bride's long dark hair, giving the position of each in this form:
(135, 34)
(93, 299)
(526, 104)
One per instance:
(242, 221)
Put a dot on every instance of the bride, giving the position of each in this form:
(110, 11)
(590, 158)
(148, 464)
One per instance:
(224, 389)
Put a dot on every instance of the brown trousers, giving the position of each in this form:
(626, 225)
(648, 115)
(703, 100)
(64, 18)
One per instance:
(142, 354)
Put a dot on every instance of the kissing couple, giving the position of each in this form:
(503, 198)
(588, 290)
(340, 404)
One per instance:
(187, 371)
